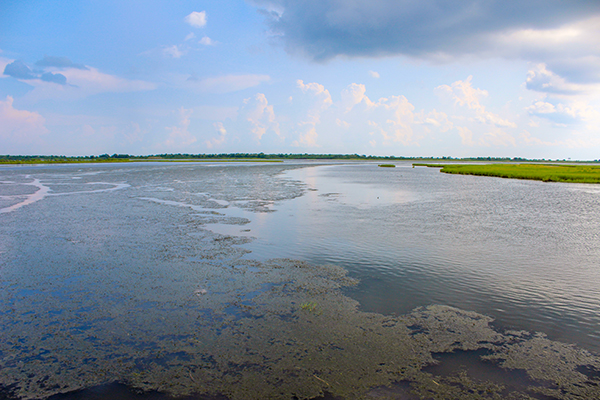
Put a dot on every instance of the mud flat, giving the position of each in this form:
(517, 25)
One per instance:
(255, 340)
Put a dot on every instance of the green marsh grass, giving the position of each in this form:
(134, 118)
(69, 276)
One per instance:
(310, 307)
(538, 172)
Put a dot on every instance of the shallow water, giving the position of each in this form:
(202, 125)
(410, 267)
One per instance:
(525, 252)
(159, 276)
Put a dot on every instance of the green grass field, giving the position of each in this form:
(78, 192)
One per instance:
(538, 172)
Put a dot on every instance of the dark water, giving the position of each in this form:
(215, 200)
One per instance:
(111, 251)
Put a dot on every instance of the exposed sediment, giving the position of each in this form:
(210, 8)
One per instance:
(256, 341)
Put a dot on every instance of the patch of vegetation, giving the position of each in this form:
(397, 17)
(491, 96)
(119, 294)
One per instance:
(539, 172)
(428, 165)
(387, 165)
(311, 307)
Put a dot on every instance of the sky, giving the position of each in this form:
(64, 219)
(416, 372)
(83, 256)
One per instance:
(470, 78)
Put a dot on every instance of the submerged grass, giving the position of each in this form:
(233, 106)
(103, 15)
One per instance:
(538, 172)
(387, 165)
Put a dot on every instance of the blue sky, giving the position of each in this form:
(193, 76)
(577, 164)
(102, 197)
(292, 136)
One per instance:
(384, 77)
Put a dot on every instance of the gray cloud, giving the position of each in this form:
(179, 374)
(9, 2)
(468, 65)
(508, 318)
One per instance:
(18, 69)
(324, 29)
(56, 78)
(580, 70)
(60, 62)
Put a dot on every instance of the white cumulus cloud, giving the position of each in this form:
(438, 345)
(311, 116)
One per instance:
(206, 41)
(392, 118)
(317, 90)
(355, 94)
(541, 107)
(321, 100)
(399, 125)
(173, 51)
(318, 99)
(464, 94)
(259, 113)
(19, 126)
(196, 19)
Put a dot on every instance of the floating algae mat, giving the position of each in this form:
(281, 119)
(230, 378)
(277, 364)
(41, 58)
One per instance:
(137, 291)
(259, 342)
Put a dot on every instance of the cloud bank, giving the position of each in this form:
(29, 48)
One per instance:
(327, 28)
(563, 34)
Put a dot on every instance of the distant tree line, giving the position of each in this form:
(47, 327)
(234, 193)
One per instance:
(41, 159)
(16, 159)
(277, 156)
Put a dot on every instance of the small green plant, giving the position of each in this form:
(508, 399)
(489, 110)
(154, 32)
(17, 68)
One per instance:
(387, 165)
(311, 307)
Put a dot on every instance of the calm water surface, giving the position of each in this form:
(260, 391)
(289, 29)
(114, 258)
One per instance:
(525, 252)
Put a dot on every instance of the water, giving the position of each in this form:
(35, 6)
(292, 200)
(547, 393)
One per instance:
(143, 271)
(525, 252)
